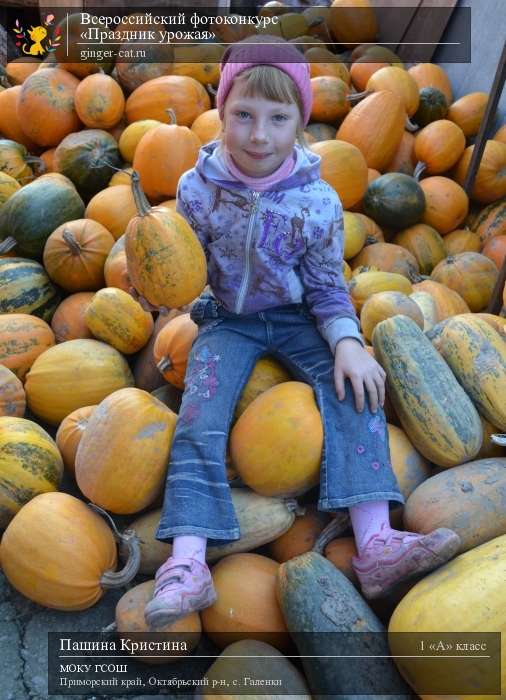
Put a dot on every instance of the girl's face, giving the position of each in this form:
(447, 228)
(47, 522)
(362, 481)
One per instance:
(259, 134)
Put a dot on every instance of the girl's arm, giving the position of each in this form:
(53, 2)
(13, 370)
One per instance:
(329, 300)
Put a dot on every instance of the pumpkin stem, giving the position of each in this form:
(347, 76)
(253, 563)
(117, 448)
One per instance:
(164, 365)
(410, 126)
(315, 22)
(293, 506)
(68, 237)
(336, 527)
(419, 168)
(129, 539)
(210, 88)
(40, 166)
(172, 115)
(7, 245)
(356, 96)
(141, 201)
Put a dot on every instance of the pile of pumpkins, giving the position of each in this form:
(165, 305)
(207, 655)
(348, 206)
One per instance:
(91, 382)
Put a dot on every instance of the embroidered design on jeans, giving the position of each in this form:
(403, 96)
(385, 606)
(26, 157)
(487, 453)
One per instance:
(201, 382)
(360, 449)
(375, 466)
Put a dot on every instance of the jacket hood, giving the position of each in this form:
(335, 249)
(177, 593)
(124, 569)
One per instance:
(212, 167)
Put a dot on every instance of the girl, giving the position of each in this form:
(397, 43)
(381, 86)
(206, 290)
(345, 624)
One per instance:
(273, 235)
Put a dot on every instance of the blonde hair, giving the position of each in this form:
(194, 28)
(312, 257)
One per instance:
(273, 84)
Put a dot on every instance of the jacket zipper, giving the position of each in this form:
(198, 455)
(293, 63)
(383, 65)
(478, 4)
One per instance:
(245, 280)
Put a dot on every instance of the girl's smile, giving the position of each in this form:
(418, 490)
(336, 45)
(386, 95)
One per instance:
(259, 134)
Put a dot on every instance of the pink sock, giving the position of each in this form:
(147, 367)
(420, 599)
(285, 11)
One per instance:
(189, 547)
(367, 519)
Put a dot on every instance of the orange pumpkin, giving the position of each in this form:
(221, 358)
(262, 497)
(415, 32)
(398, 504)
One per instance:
(113, 207)
(343, 166)
(10, 125)
(447, 301)
(172, 346)
(340, 552)
(385, 305)
(388, 257)
(404, 158)
(68, 320)
(425, 243)
(471, 275)
(162, 156)
(116, 318)
(400, 82)
(99, 101)
(131, 136)
(12, 394)
(200, 61)
(69, 434)
(266, 373)
(439, 145)
(324, 62)
(46, 106)
(166, 262)
(121, 177)
(490, 180)
(23, 338)
(363, 69)
(462, 240)
(247, 606)
(375, 126)
(67, 561)
(155, 64)
(432, 75)
(75, 253)
(185, 95)
(122, 457)
(495, 249)
(446, 203)
(301, 536)
(48, 159)
(490, 221)
(321, 132)
(276, 444)
(468, 112)
(352, 22)
(74, 374)
(330, 101)
(19, 69)
(115, 268)
(207, 126)
(373, 230)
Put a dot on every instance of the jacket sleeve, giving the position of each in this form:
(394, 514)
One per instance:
(321, 271)
(187, 208)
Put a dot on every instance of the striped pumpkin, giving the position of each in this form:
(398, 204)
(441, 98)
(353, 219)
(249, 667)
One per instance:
(419, 383)
(491, 222)
(476, 354)
(30, 464)
(22, 339)
(25, 288)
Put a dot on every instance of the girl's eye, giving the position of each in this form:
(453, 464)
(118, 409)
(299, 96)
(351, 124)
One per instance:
(280, 117)
(242, 114)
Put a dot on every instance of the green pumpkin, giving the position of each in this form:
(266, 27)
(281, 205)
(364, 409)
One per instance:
(86, 158)
(25, 288)
(432, 106)
(35, 210)
(394, 200)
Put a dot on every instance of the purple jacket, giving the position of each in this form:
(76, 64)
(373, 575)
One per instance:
(266, 249)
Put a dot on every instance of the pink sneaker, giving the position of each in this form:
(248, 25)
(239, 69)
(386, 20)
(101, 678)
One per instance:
(182, 586)
(394, 556)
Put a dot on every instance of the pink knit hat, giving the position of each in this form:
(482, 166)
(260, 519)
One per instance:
(276, 52)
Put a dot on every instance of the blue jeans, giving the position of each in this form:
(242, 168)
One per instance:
(355, 463)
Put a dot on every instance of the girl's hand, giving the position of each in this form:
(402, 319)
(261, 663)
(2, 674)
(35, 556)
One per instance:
(163, 310)
(352, 361)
